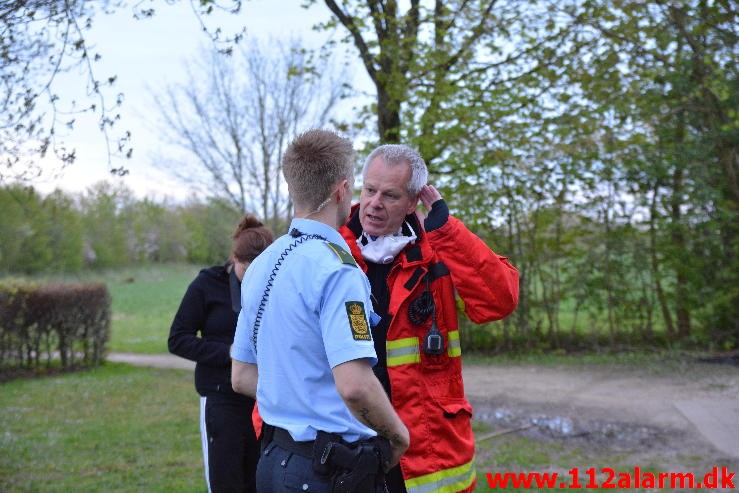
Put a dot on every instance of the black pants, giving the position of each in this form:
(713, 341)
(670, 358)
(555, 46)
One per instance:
(283, 471)
(394, 481)
(230, 446)
(288, 467)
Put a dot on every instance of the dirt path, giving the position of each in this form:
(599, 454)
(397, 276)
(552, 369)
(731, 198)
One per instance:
(692, 407)
(615, 394)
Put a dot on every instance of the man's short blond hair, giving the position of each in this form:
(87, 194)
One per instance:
(314, 161)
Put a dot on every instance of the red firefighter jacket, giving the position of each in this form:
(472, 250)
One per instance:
(427, 390)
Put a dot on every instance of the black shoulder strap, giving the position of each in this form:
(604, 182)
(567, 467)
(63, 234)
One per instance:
(300, 239)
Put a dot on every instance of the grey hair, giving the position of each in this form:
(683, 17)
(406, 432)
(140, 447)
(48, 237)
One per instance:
(395, 154)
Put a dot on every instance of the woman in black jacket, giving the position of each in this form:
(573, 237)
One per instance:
(210, 307)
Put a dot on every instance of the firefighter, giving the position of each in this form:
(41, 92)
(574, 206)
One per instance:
(416, 266)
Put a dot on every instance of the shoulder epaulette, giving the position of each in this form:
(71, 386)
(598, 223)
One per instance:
(344, 256)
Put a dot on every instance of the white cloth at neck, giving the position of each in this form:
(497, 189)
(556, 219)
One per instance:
(383, 249)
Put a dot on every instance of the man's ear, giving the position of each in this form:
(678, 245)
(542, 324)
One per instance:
(341, 190)
(413, 205)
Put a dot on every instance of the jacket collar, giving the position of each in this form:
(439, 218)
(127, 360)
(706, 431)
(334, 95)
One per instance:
(410, 255)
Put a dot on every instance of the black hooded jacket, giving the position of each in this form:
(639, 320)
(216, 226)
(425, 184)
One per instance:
(210, 307)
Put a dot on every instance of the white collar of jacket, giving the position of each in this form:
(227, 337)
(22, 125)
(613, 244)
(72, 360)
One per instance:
(383, 249)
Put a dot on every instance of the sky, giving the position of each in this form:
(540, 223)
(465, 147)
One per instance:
(145, 55)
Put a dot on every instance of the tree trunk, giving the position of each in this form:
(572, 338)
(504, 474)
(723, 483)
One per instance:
(680, 253)
(661, 298)
(388, 116)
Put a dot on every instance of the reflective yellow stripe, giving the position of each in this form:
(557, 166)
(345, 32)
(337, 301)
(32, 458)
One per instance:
(446, 481)
(454, 348)
(403, 351)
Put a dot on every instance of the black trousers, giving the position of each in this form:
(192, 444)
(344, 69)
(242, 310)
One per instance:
(230, 447)
(287, 466)
(394, 481)
(283, 471)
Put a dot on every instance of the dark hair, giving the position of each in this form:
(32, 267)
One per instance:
(313, 163)
(250, 238)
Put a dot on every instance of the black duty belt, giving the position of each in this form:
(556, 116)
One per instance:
(282, 438)
(353, 468)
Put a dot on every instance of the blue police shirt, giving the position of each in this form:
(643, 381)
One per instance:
(314, 318)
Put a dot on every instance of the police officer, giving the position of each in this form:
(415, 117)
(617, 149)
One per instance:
(303, 343)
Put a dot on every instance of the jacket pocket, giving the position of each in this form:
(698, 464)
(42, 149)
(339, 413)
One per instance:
(454, 409)
(450, 439)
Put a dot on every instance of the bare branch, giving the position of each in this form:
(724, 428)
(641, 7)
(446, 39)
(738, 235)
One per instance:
(234, 116)
(350, 23)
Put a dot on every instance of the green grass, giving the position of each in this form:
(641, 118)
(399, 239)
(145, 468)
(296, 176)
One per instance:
(655, 362)
(115, 428)
(144, 304)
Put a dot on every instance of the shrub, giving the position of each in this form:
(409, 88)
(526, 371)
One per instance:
(42, 324)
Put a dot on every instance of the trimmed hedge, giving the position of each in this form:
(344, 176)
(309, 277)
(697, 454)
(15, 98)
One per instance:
(64, 325)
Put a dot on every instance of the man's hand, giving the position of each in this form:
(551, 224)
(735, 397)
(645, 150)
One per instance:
(428, 196)
(438, 211)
